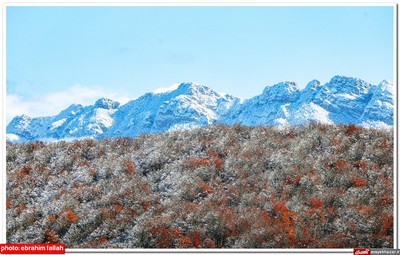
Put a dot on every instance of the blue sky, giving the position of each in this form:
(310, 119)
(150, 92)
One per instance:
(60, 55)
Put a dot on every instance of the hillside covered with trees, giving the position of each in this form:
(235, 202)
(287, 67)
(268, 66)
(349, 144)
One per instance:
(310, 186)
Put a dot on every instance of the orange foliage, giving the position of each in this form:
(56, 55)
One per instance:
(70, 216)
(165, 236)
(118, 208)
(244, 225)
(293, 181)
(285, 220)
(8, 206)
(358, 182)
(316, 203)
(196, 239)
(52, 218)
(365, 210)
(386, 223)
(184, 242)
(24, 171)
(208, 243)
(386, 199)
(50, 236)
(20, 208)
(384, 144)
(102, 240)
(129, 167)
(144, 186)
(265, 217)
(194, 162)
(219, 164)
(360, 164)
(353, 129)
(145, 205)
(341, 164)
(212, 153)
(205, 188)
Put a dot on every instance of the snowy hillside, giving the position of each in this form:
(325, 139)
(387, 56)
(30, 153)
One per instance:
(342, 100)
(219, 186)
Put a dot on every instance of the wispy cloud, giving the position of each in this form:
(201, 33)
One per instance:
(53, 103)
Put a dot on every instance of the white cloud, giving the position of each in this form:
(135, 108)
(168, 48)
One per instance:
(166, 89)
(52, 104)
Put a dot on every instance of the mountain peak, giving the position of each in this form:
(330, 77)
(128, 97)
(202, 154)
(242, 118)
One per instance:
(191, 87)
(106, 103)
(313, 85)
(283, 91)
(344, 84)
(286, 86)
(189, 104)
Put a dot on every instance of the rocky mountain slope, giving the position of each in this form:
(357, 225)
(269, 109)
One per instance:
(343, 100)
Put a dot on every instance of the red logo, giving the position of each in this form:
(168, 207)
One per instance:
(32, 248)
(361, 251)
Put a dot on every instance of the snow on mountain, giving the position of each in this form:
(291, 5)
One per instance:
(265, 108)
(76, 121)
(380, 107)
(189, 105)
(343, 100)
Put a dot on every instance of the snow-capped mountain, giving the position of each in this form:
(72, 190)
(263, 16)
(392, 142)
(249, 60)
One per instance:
(187, 106)
(343, 100)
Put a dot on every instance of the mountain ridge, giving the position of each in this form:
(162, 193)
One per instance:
(344, 100)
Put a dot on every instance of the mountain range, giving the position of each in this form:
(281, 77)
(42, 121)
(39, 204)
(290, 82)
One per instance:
(343, 100)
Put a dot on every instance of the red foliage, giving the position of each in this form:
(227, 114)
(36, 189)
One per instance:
(196, 239)
(165, 236)
(353, 129)
(20, 208)
(205, 188)
(360, 164)
(386, 199)
(284, 214)
(243, 225)
(384, 144)
(118, 208)
(219, 164)
(316, 203)
(70, 216)
(102, 240)
(24, 171)
(184, 242)
(194, 162)
(50, 236)
(52, 218)
(8, 205)
(145, 205)
(341, 164)
(265, 217)
(129, 167)
(191, 241)
(285, 221)
(212, 153)
(366, 211)
(208, 243)
(386, 223)
(358, 182)
(144, 187)
(293, 180)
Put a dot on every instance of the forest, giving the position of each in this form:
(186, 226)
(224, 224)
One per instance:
(309, 186)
